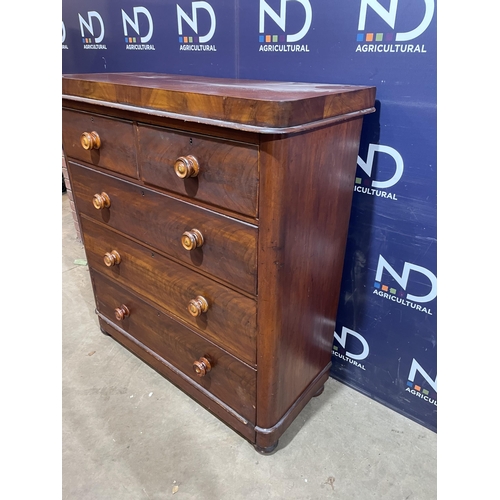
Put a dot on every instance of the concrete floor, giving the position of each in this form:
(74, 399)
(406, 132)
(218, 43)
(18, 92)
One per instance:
(130, 434)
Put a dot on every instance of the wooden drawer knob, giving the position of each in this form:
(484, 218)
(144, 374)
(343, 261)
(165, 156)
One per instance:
(198, 306)
(122, 312)
(202, 366)
(112, 258)
(90, 140)
(101, 201)
(186, 166)
(192, 239)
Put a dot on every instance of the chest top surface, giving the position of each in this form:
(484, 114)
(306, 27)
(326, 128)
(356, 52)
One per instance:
(263, 106)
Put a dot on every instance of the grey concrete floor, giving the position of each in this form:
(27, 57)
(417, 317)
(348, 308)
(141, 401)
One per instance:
(127, 433)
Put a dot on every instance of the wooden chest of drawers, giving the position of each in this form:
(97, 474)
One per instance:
(214, 215)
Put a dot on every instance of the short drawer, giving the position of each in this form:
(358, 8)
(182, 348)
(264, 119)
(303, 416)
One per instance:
(113, 150)
(222, 173)
(230, 319)
(228, 247)
(224, 376)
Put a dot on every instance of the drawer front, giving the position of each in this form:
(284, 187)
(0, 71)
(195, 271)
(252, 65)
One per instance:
(228, 379)
(230, 319)
(117, 150)
(227, 173)
(229, 246)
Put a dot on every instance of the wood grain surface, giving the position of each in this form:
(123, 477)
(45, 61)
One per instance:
(229, 251)
(259, 103)
(231, 319)
(230, 380)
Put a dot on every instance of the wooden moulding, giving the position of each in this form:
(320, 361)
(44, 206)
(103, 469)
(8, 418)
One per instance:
(269, 107)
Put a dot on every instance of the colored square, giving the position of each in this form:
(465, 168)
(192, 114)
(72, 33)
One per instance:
(367, 182)
(335, 348)
(261, 38)
(282, 38)
(377, 284)
(385, 288)
(389, 37)
(275, 38)
(379, 37)
(185, 39)
(83, 40)
(268, 38)
(393, 291)
(417, 388)
(134, 39)
(360, 37)
(409, 384)
(126, 39)
(426, 392)
(369, 37)
(190, 39)
(358, 180)
(181, 39)
(401, 294)
(130, 40)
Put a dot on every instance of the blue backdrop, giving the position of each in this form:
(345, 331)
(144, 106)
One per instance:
(385, 336)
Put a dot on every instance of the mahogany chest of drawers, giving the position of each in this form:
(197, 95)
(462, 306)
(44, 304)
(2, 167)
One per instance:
(214, 215)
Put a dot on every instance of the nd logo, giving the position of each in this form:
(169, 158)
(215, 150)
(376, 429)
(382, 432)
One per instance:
(134, 24)
(389, 16)
(367, 166)
(403, 279)
(192, 21)
(90, 26)
(280, 19)
(361, 344)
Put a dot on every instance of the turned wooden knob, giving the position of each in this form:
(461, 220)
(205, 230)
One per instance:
(186, 166)
(122, 312)
(192, 239)
(197, 306)
(90, 140)
(101, 201)
(202, 366)
(112, 258)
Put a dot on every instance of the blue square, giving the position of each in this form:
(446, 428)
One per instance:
(261, 38)
(83, 40)
(360, 37)
(409, 384)
(126, 39)
(377, 284)
(181, 39)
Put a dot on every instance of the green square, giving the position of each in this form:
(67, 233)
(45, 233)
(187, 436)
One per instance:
(392, 290)
(135, 39)
(358, 180)
(426, 392)
(379, 37)
(335, 348)
(275, 38)
(190, 39)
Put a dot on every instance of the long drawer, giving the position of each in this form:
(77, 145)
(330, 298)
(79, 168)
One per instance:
(217, 371)
(229, 246)
(230, 319)
(116, 148)
(223, 173)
